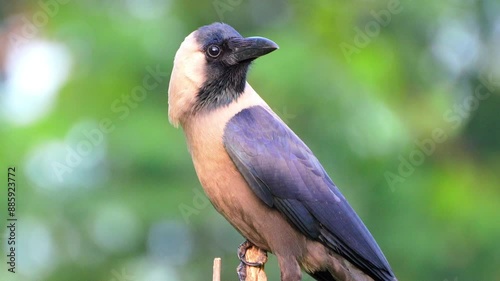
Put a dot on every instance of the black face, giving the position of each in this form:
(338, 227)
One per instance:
(228, 57)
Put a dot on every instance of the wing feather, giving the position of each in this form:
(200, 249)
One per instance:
(283, 172)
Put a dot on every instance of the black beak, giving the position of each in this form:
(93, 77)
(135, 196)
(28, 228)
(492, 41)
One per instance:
(250, 48)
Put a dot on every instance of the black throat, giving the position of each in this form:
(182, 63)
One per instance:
(224, 89)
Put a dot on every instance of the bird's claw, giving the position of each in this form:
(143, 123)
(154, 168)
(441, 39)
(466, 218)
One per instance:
(242, 271)
(242, 267)
(242, 249)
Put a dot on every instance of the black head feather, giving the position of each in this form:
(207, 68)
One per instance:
(228, 57)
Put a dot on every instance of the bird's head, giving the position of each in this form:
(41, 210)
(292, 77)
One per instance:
(210, 69)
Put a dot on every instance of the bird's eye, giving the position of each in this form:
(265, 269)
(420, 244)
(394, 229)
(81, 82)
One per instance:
(213, 51)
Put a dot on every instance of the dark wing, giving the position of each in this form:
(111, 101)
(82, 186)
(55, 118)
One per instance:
(284, 173)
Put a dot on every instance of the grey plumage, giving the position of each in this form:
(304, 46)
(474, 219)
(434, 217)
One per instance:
(284, 173)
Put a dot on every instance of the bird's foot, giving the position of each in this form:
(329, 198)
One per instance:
(242, 272)
(258, 259)
(242, 250)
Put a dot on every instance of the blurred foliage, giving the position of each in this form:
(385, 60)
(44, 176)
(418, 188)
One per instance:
(398, 99)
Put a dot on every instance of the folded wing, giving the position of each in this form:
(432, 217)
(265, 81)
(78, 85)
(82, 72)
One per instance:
(284, 173)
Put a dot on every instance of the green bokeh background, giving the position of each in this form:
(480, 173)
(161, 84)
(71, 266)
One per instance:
(403, 114)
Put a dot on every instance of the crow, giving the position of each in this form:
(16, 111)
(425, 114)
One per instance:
(256, 171)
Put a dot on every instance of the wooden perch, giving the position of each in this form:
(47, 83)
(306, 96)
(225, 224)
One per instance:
(247, 272)
(216, 275)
